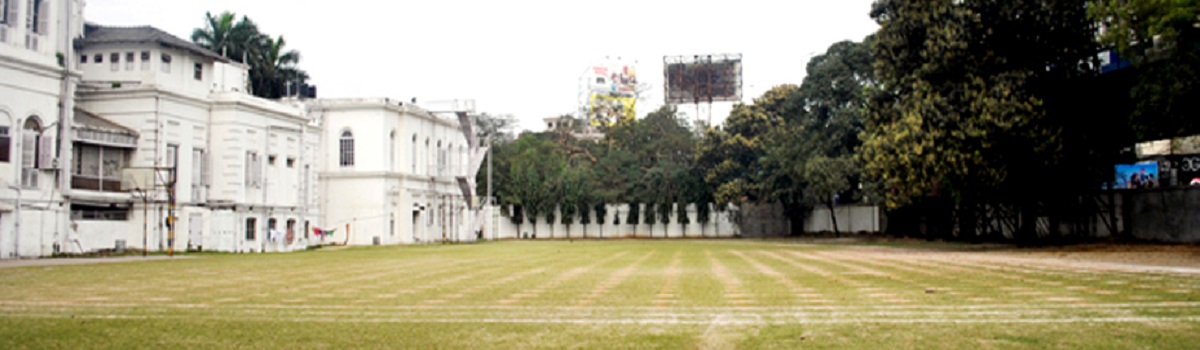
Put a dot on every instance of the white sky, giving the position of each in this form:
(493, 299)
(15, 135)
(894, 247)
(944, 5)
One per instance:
(518, 57)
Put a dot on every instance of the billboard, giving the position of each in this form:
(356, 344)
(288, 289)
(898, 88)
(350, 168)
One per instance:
(1137, 176)
(703, 78)
(1187, 169)
(607, 109)
(614, 78)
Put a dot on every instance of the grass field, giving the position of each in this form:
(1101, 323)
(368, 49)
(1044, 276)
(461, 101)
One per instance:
(620, 294)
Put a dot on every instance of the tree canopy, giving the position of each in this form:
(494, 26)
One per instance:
(274, 69)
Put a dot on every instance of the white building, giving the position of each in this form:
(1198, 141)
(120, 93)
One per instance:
(395, 173)
(244, 166)
(36, 82)
(112, 136)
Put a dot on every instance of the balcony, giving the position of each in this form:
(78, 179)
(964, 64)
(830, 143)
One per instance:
(80, 182)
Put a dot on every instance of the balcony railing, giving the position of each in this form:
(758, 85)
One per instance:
(79, 182)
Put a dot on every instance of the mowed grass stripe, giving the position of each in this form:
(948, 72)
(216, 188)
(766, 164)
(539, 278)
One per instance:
(689, 291)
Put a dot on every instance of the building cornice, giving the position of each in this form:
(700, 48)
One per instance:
(358, 104)
(385, 175)
(139, 91)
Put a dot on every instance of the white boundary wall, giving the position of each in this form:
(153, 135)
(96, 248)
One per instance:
(754, 221)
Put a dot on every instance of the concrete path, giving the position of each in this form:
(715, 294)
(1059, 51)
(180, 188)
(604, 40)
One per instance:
(80, 261)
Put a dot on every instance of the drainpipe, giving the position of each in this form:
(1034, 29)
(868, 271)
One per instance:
(301, 167)
(66, 117)
(16, 253)
(265, 168)
(158, 150)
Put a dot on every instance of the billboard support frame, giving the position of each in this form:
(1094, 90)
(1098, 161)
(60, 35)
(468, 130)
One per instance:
(702, 78)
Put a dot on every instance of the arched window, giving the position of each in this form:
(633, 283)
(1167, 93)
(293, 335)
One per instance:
(346, 149)
(31, 133)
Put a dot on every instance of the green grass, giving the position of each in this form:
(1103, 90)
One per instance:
(616, 294)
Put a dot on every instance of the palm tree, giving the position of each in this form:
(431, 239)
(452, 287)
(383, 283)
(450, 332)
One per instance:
(234, 40)
(274, 68)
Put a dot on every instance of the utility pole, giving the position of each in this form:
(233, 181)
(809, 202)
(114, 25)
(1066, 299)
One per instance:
(171, 209)
(145, 221)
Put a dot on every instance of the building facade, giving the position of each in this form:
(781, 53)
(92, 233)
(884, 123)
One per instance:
(391, 172)
(118, 138)
(226, 170)
(35, 104)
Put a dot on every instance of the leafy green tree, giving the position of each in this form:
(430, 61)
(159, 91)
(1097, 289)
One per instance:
(962, 113)
(535, 165)
(828, 178)
(733, 162)
(1162, 39)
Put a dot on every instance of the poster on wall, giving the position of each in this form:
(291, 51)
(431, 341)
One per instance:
(1188, 170)
(606, 109)
(1142, 175)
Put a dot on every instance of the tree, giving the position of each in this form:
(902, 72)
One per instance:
(963, 113)
(272, 66)
(732, 158)
(227, 36)
(1162, 39)
(535, 164)
(274, 72)
(601, 212)
(828, 178)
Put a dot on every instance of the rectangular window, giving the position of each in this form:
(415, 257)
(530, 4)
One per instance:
(129, 62)
(291, 162)
(199, 74)
(87, 160)
(115, 58)
(145, 60)
(198, 174)
(172, 158)
(97, 168)
(82, 58)
(34, 21)
(99, 213)
(4, 12)
(5, 145)
(98, 58)
(166, 63)
(252, 169)
(271, 160)
(251, 228)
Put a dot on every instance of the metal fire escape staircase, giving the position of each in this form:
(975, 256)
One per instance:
(478, 153)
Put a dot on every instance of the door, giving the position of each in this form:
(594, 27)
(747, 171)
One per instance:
(195, 232)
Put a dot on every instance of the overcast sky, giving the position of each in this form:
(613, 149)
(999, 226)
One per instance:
(518, 57)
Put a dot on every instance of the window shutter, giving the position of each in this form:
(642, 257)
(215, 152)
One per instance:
(43, 24)
(46, 153)
(28, 149)
(13, 7)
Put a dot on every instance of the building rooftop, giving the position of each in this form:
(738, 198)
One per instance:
(98, 34)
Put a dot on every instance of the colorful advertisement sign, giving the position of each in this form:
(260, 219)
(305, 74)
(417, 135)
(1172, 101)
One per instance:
(617, 79)
(1137, 176)
(606, 109)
